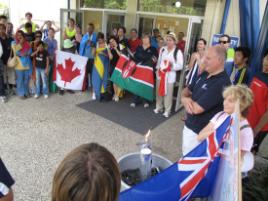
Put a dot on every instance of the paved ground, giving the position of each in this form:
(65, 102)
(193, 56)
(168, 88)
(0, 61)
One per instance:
(35, 135)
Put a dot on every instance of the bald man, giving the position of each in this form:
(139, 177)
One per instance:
(203, 98)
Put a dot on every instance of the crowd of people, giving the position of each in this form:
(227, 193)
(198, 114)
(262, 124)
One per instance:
(217, 77)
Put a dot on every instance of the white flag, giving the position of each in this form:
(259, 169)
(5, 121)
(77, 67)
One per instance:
(70, 70)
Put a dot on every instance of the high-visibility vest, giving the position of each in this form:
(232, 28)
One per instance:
(70, 33)
(33, 27)
(230, 55)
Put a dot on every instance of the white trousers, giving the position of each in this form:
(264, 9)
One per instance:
(189, 140)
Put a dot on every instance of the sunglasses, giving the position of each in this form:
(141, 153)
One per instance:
(38, 36)
(223, 42)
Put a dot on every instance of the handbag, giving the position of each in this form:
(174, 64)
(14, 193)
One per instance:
(12, 61)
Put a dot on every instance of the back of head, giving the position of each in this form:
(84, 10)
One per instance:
(220, 52)
(89, 173)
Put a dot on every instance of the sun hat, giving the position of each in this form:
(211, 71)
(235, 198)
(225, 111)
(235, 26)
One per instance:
(172, 35)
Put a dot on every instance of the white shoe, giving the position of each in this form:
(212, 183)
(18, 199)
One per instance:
(46, 96)
(36, 96)
(156, 111)
(166, 114)
(116, 99)
(132, 105)
(3, 99)
(146, 105)
(93, 96)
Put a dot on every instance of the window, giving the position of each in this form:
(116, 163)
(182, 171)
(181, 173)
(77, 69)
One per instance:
(109, 4)
(188, 7)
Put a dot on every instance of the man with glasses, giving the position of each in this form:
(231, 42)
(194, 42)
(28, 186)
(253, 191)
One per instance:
(225, 41)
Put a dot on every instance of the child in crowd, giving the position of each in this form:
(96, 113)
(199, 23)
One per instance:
(6, 181)
(231, 95)
(241, 74)
(90, 172)
(258, 113)
(42, 69)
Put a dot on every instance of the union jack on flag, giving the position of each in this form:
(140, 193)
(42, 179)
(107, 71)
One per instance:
(191, 177)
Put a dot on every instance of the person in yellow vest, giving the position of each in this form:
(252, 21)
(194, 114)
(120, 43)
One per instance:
(28, 17)
(225, 41)
(70, 31)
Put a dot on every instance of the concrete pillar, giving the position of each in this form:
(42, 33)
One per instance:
(130, 17)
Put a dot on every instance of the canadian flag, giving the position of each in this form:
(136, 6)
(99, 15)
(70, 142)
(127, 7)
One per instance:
(69, 70)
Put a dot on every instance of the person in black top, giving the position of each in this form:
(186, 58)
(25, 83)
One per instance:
(6, 182)
(122, 38)
(6, 49)
(29, 34)
(42, 69)
(203, 99)
(144, 54)
(116, 50)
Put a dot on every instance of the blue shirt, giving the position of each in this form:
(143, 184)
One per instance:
(154, 42)
(207, 92)
(51, 46)
(85, 49)
(6, 181)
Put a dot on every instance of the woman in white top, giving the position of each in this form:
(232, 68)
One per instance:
(170, 60)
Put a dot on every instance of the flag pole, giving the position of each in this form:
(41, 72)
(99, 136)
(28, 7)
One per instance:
(237, 127)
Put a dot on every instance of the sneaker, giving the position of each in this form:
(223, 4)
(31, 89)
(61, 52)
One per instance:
(146, 105)
(3, 99)
(133, 105)
(166, 114)
(61, 92)
(156, 111)
(36, 96)
(46, 96)
(116, 98)
(93, 96)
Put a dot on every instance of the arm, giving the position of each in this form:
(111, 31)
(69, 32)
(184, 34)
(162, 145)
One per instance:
(187, 100)
(178, 65)
(192, 61)
(205, 132)
(34, 53)
(42, 27)
(20, 27)
(109, 53)
(57, 29)
(261, 123)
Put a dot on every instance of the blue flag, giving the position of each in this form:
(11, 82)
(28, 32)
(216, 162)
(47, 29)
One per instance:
(192, 176)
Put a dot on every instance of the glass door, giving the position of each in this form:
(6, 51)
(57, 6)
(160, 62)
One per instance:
(113, 21)
(146, 25)
(65, 14)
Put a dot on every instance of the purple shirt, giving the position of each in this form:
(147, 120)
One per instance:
(51, 46)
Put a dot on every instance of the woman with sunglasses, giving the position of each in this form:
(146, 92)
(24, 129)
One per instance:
(38, 39)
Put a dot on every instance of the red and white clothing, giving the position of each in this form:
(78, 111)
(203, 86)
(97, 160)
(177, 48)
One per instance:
(166, 67)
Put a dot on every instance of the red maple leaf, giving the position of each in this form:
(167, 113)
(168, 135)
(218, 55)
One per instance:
(68, 74)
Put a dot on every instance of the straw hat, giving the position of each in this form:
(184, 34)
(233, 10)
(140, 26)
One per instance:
(67, 44)
(172, 35)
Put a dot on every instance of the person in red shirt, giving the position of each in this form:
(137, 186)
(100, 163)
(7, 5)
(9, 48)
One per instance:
(258, 113)
(181, 42)
(134, 40)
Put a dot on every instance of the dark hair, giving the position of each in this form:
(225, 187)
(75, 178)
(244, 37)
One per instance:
(39, 32)
(28, 25)
(123, 28)
(134, 29)
(202, 39)
(28, 13)
(244, 50)
(71, 19)
(113, 37)
(21, 32)
(265, 53)
(100, 36)
(89, 172)
(227, 36)
(3, 17)
(156, 30)
(91, 25)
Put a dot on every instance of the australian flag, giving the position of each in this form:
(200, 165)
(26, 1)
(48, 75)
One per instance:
(191, 177)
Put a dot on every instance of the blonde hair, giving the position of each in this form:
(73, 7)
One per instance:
(90, 172)
(243, 94)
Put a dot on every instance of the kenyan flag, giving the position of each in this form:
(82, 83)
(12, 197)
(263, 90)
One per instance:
(136, 78)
